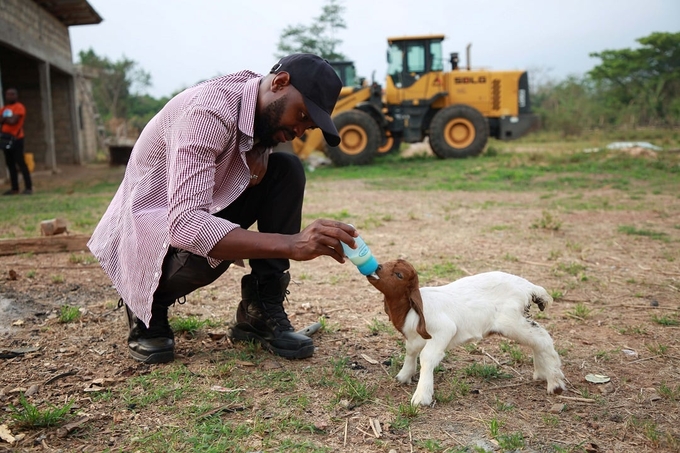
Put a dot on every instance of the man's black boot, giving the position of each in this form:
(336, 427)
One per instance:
(155, 344)
(260, 317)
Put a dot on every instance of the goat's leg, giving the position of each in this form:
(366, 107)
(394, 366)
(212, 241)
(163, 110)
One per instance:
(413, 348)
(430, 356)
(547, 364)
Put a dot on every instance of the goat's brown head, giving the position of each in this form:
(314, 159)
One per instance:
(398, 281)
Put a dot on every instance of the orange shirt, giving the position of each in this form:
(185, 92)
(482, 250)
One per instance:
(15, 129)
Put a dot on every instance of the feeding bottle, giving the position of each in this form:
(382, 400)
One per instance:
(361, 256)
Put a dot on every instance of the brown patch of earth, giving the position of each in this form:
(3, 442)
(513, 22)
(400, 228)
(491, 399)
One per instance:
(612, 287)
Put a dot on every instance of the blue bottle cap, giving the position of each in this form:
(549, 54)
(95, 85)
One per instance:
(369, 266)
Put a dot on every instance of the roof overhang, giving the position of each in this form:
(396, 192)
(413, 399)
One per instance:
(71, 12)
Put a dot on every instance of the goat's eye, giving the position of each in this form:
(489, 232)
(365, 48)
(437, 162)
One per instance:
(399, 276)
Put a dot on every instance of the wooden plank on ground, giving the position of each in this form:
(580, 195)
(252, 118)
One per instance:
(44, 244)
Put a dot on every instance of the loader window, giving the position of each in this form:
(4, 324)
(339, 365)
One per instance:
(395, 60)
(415, 58)
(437, 61)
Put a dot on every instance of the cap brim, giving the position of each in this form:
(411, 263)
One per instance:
(324, 122)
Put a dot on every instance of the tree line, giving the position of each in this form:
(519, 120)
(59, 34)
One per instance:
(628, 89)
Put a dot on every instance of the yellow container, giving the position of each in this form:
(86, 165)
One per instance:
(30, 162)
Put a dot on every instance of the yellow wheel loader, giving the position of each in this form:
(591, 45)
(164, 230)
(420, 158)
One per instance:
(457, 110)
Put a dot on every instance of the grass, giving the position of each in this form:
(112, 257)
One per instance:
(633, 231)
(485, 372)
(548, 221)
(443, 271)
(30, 416)
(82, 258)
(545, 170)
(190, 325)
(514, 351)
(376, 326)
(665, 320)
(282, 408)
(551, 169)
(68, 314)
(580, 311)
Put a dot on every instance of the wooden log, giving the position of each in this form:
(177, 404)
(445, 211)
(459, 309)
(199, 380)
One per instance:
(44, 244)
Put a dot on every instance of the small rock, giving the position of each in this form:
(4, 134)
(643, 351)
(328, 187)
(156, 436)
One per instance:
(630, 353)
(6, 434)
(654, 303)
(557, 408)
(654, 397)
(607, 388)
(32, 390)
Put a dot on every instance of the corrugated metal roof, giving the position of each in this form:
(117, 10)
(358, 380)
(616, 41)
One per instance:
(71, 12)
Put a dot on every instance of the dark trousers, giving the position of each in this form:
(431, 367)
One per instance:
(14, 157)
(275, 204)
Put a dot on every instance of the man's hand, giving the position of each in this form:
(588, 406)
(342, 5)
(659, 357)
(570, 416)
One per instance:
(322, 237)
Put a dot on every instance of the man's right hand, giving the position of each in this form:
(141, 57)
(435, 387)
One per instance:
(322, 237)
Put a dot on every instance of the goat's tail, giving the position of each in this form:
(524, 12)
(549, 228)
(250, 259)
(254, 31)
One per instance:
(540, 297)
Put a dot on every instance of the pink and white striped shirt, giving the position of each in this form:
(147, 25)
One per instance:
(188, 164)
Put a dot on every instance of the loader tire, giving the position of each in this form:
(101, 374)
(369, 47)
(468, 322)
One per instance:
(458, 131)
(359, 139)
(391, 145)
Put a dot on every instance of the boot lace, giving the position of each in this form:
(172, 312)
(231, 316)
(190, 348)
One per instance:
(276, 312)
(160, 325)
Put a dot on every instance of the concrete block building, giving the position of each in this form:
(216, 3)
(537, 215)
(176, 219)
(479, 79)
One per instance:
(36, 59)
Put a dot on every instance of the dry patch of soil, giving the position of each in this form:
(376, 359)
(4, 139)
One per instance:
(614, 289)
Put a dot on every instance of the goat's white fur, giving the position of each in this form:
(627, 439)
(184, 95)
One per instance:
(470, 309)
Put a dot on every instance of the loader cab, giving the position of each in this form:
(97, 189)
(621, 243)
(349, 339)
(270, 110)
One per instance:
(347, 73)
(409, 58)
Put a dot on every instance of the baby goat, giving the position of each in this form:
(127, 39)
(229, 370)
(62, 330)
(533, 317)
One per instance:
(434, 319)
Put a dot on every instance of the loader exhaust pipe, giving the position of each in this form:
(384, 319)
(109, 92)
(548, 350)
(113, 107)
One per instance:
(467, 56)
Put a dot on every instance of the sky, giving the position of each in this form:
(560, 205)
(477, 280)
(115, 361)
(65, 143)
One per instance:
(181, 42)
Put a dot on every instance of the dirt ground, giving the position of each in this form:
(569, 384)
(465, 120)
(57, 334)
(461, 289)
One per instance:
(617, 293)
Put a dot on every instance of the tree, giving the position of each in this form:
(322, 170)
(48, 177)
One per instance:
(568, 107)
(117, 83)
(645, 82)
(319, 38)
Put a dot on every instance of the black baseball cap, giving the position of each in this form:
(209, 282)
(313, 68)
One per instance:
(319, 85)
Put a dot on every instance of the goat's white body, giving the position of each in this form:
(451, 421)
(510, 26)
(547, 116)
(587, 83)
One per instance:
(469, 309)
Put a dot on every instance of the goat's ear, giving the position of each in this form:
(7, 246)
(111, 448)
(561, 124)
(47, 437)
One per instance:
(417, 304)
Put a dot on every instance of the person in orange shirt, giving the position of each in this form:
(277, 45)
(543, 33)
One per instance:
(12, 119)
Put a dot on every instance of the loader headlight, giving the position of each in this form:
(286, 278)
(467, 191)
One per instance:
(522, 97)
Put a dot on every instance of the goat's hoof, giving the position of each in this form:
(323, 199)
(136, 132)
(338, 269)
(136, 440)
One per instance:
(556, 390)
(421, 401)
(403, 379)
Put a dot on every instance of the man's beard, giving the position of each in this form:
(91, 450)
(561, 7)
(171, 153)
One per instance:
(269, 122)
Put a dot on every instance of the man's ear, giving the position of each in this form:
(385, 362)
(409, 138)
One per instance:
(280, 80)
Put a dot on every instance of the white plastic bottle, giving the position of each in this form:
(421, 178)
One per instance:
(361, 256)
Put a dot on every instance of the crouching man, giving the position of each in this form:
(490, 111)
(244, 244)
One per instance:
(200, 175)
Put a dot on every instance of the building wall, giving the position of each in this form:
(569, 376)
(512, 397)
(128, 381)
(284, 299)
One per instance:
(62, 118)
(22, 73)
(30, 37)
(29, 28)
(87, 121)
